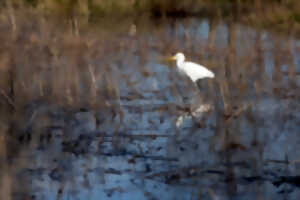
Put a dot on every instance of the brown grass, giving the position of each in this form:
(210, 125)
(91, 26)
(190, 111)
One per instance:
(279, 15)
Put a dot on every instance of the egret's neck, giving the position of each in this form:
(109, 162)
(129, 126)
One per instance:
(179, 62)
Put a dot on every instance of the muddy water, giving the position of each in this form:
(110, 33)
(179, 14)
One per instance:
(160, 136)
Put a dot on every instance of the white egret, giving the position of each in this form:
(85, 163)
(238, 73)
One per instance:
(193, 70)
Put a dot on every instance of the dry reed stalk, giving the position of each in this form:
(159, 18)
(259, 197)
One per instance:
(8, 99)
(6, 184)
(12, 17)
(212, 36)
(94, 86)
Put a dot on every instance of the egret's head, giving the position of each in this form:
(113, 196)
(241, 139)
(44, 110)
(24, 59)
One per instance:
(178, 56)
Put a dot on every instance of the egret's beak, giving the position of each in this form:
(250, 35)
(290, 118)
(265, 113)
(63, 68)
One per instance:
(172, 58)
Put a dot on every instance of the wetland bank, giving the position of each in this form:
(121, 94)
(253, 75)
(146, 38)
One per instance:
(90, 109)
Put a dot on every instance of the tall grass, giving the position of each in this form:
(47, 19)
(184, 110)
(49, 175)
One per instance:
(188, 7)
(280, 14)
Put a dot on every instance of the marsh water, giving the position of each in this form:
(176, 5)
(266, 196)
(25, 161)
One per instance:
(140, 129)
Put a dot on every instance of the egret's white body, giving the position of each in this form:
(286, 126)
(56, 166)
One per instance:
(193, 70)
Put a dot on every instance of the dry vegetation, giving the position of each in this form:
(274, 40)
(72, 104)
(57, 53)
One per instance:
(55, 36)
(59, 58)
(56, 59)
(280, 15)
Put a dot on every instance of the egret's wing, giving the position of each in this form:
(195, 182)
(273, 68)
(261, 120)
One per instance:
(196, 71)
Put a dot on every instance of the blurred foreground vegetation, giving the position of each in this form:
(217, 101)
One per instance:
(280, 15)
